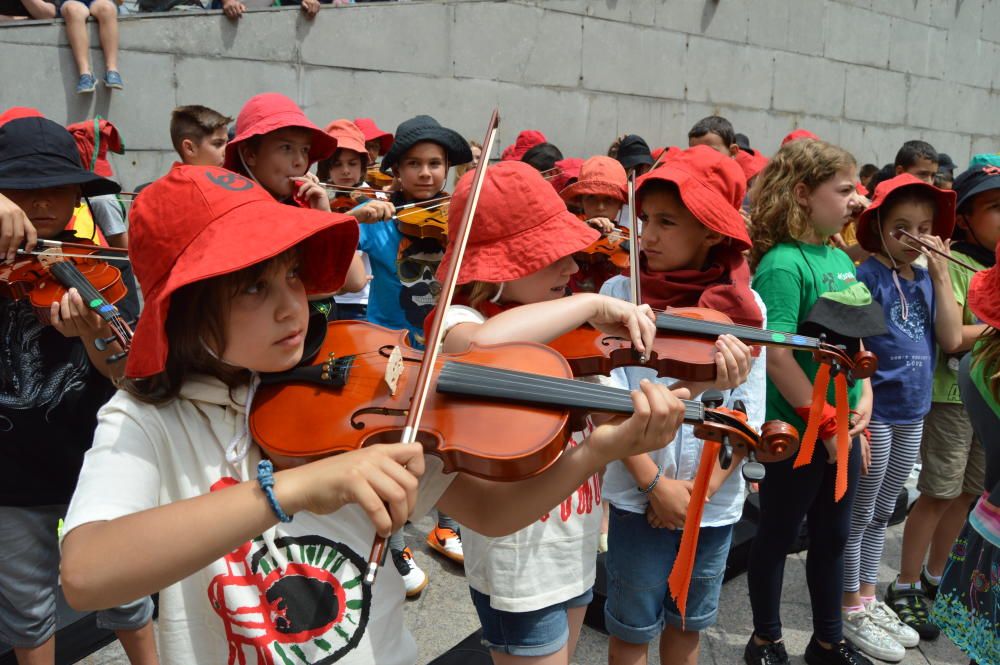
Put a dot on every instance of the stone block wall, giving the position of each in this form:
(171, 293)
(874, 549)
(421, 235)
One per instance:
(867, 74)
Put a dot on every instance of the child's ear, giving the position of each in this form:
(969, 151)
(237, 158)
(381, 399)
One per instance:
(188, 148)
(734, 150)
(800, 192)
(899, 170)
(248, 154)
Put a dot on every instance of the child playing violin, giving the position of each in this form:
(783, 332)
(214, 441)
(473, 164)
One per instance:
(530, 588)
(692, 245)
(403, 288)
(53, 382)
(256, 565)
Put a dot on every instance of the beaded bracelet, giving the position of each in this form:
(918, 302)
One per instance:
(656, 479)
(265, 476)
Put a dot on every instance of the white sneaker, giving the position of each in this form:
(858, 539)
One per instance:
(447, 542)
(413, 577)
(869, 638)
(883, 617)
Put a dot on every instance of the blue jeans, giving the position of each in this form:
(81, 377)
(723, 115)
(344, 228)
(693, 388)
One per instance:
(639, 561)
(537, 633)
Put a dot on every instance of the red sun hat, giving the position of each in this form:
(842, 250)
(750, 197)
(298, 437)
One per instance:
(752, 163)
(94, 139)
(944, 214)
(373, 133)
(797, 134)
(602, 176)
(569, 172)
(521, 226)
(348, 137)
(984, 294)
(269, 112)
(525, 141)
(711, 186)
(199, 222)
(18, 112)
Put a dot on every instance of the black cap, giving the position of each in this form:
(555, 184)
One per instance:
(425, 128)
(976, 181)
(37, 153)
(743, 141)
(633, 150)
(945, 163)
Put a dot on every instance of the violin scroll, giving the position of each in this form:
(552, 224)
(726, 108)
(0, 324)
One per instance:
(778, 441)
(865, 365)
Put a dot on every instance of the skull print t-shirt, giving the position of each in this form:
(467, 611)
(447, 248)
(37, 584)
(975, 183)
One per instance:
(902, 384)
(292, 594)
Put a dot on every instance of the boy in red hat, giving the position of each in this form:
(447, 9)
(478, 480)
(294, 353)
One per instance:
(692, 243)
(921, 312)
(952, 459)
(530, 588)
(525, 141)
(255, 563)
(600, 192)
(377, 141)
(53, 382)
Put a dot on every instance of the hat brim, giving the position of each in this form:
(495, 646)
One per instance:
(632, 161)
(983, 301)
(229, 244)
(90, 183)
(708, 207)
(944, 217)
(595, 188)
(985, 186)
(323, 145)
(455, 146)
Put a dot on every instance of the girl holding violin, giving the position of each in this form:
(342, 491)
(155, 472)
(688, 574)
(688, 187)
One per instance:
(257, 565)
(54, 380)
(804, 196)
(692, 245)
(531, 588)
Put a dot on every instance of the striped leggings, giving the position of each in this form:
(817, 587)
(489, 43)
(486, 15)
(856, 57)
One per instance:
(894, 450)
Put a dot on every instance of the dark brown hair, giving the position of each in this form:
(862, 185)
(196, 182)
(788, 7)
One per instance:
(194, 123)
(196, 332)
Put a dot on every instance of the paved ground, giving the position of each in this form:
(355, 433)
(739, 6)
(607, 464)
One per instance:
(444, 615)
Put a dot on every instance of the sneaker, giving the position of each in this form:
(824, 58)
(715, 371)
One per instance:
(844, 653)
(87, 83)
(929, 587)
(913, 608)
(883, 617)
(113, 79)
(413, 577)
(769, 653)
(867, 636)
(447, 542)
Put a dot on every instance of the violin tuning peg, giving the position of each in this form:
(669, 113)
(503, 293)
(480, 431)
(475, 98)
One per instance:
(740, 405)
(713, 399)
(725, 453)
(116, 357)
(102, 343)
(753, 471)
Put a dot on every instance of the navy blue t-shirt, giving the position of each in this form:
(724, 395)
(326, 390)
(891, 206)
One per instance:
(902, 384)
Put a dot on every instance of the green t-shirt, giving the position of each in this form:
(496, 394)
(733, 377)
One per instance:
(978, 376)
(945, 388)
(790, 282)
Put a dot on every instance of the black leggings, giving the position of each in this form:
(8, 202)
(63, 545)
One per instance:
(786, 496)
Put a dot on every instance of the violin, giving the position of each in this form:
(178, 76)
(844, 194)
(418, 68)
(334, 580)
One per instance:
(613, 247)
(378, 179)
(499, 412)
(685, 347)
(45, 275)
(425, 219)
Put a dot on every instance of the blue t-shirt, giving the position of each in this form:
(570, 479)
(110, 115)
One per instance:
(403, 286)
(902, 384)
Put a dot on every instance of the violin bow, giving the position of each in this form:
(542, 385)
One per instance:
(433, 343)
(633, 244)
(900, 232)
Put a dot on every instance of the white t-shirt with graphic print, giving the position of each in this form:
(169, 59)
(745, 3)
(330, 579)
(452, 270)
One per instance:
(549, 562)
(292, 594)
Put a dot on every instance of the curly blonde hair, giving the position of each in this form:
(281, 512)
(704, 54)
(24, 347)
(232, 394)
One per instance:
(776, 215)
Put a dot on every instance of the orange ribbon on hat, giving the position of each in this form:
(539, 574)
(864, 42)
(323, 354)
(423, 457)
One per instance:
(816, 410)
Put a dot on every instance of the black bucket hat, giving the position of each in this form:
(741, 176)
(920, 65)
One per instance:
(633, 150)
(975, 181)
(425, 128)
(845, 317)
(37, 153)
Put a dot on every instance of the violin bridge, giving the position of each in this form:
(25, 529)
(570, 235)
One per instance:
(393, 369)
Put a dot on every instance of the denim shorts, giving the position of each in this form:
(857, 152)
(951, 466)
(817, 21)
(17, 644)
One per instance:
(29, 580)
(639, 561)
(537, 633)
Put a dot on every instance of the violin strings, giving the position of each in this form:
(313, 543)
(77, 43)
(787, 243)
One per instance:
(49, 252)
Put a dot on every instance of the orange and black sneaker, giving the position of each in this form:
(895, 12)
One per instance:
(447, 542)
(414, 578)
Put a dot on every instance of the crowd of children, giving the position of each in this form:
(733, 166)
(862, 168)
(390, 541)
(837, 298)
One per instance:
(248, 249)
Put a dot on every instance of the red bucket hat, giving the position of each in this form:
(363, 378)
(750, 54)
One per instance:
(348, 137)
(752, 163)
(599, 175)
(199, 222)
(525, 141)
(711, 186)
(569, 172)
(521, 225)
(269, 112)
(944, 215)
(797, 134)
(373, 133)
(984, 294)
(18, 112)
(94, 138)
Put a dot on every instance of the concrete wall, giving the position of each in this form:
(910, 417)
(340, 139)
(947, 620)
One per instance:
(868, 74)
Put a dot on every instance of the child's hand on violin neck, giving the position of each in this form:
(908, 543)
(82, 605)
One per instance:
(623, 319)
(71, 317)
(733, 360)
(658, 414)
(382, 479)
(373, 211)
